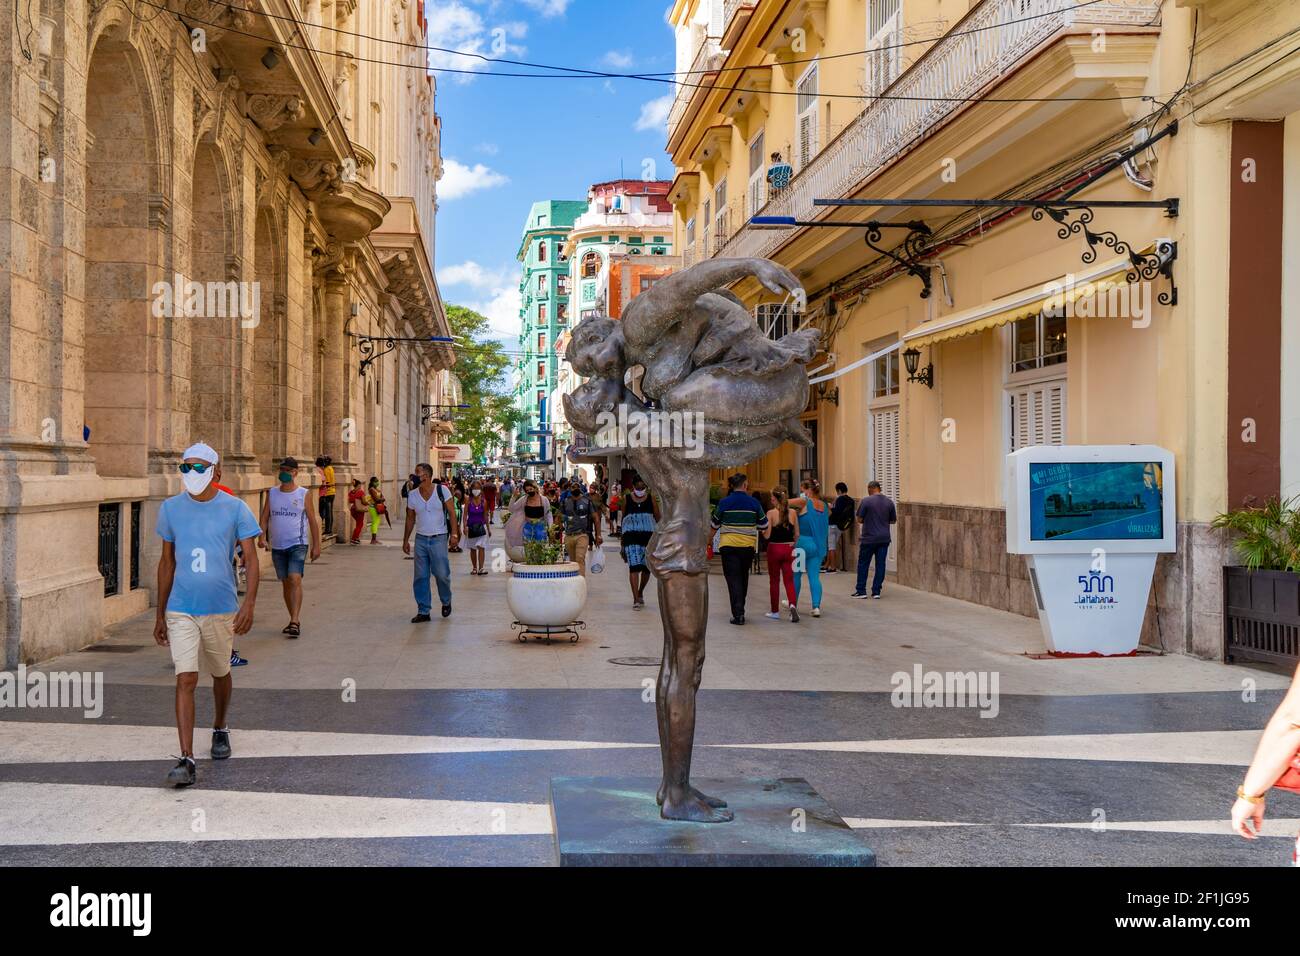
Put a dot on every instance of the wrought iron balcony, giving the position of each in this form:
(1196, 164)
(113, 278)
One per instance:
(990, 42)
(708, 56)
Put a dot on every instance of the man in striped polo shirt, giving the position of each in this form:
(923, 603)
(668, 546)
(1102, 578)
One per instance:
(739, 519)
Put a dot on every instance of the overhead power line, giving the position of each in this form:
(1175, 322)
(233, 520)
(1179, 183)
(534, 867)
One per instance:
(570, 73)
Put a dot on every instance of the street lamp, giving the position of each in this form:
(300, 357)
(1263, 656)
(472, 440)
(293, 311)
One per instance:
(911, 358)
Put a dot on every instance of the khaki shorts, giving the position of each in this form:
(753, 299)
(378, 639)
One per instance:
(210, 636)
(575, 546)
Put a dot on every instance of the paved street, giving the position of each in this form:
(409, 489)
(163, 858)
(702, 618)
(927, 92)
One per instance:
(456, 729)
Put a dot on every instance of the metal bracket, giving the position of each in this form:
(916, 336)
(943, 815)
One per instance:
(912, 248)
(1145, 265)
(366, 346)
(1151, 264)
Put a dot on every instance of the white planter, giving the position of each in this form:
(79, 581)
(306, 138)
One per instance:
(546, 595)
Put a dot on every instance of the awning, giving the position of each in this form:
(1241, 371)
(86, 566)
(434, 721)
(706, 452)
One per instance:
(1056, 296)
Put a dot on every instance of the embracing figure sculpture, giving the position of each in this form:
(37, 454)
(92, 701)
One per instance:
(688, 346)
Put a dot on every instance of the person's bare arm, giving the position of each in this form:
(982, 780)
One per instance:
(410, 523)
(313, 522)
(647, 317)
(263, 539)
(244, 617)
(453, 527)
(166, 575)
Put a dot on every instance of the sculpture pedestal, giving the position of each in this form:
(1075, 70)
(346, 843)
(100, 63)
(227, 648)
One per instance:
(614, 821)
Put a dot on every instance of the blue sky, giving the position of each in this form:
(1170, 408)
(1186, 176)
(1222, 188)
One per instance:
(507, 142)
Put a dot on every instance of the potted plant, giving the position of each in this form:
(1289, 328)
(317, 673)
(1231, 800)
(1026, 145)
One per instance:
(545, 590)
(1261, 597)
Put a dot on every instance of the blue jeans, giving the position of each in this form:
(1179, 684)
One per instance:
(865, 553)
(431, 558)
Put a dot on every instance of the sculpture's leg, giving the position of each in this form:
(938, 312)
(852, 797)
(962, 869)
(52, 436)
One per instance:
(684, 606)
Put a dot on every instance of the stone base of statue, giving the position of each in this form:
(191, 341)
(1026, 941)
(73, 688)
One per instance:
(614, 821)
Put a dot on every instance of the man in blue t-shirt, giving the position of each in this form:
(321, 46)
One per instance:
(199, 612)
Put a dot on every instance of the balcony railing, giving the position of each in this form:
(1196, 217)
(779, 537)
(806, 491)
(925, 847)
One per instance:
(993, 39)
(708, 55)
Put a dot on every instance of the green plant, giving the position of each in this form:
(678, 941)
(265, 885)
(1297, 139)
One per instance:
(1267, 537)
(715, 494)
(542, 552)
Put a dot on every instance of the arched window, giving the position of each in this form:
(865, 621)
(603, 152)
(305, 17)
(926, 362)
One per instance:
(590, 265)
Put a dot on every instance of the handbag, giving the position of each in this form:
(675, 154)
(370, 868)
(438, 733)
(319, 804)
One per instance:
(476, 529)
(1290, 779)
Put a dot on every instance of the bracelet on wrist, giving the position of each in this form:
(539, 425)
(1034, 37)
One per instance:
(1243, 795)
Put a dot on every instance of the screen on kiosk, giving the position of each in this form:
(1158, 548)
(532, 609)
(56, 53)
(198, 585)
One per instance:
(1095, 500)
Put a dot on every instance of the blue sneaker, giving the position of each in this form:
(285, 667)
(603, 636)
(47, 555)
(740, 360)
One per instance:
(236, 660)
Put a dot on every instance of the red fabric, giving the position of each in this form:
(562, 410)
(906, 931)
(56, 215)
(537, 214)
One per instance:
(1290, 779)
(780, 565)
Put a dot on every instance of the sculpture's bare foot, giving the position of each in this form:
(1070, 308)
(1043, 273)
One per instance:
(715, 802)
(694, 809)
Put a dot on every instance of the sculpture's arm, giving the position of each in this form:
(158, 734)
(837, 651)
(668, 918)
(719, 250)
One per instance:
(652, 313)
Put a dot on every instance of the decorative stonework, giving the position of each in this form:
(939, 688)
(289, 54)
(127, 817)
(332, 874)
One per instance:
(271, 111)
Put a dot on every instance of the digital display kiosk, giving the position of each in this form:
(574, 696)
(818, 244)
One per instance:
(1090, 520)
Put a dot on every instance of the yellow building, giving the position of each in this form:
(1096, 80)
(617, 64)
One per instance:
(1175, 124)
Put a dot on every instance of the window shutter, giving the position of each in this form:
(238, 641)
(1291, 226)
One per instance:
(807, 121)
(885, 450)
(1038, 415)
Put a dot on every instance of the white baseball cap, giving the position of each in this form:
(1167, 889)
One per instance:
(202, 452)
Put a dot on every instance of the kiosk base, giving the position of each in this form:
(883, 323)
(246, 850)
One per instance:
(1090, 604)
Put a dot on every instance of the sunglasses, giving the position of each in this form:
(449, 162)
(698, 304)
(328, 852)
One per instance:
(199, 467)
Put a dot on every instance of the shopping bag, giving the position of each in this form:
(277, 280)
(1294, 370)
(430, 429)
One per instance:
(597, 562)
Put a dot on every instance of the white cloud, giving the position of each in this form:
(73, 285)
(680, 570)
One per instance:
(459, 180)
(619, 59)
(548, 8)
(654, 114)
(491, 149)
(464, 39)
(492, 292)
(471, 273)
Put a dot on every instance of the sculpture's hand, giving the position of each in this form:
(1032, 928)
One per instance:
(777, 279)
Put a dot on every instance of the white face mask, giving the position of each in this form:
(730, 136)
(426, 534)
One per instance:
(195, 483)
(638, 493)
(476, 492)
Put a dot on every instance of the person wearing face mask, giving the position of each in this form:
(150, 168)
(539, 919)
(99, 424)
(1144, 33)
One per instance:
(429, 513)
(356, 508)
(291, 529)
(580, 527)
(199, 612)
(476, 526)
(640, 517)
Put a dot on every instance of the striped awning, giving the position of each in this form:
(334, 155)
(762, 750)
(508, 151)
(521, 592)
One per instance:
(1055, 296)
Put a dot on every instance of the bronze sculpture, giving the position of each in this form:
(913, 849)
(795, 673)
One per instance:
(699, 353)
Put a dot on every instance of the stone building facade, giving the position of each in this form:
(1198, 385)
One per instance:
(213, 216)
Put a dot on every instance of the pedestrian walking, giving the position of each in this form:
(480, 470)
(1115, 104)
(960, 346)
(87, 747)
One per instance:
(490, 497)
(615, 502)
(199, 611)
(640, 518)
(357, 508)
(740, 520)
(530, 519)
(326, 501)
(476, 526)
(810, 551)
(458, 506)
(782, 534)
(876, 513)
(580, 528)
(430, 515)
(1276, 764)
(841, 520)
(375, 508)
(291, 529)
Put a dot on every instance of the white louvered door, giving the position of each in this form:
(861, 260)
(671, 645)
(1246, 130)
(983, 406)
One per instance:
(884, 450)
(1038, 414)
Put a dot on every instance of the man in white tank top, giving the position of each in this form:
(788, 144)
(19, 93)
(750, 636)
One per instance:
(291, 529)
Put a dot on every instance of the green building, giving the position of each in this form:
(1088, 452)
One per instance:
(544, 313)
